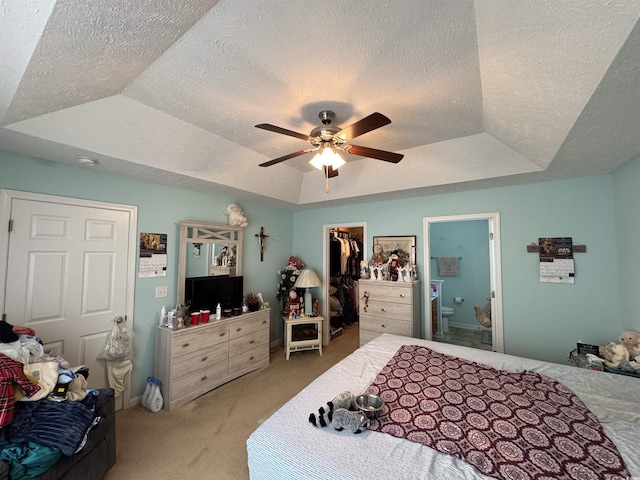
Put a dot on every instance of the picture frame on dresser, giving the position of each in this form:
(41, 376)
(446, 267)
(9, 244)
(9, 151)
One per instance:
(404, 245)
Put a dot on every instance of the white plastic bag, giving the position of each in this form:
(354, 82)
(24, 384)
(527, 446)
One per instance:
(118, 345)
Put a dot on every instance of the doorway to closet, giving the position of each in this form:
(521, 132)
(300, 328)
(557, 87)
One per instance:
(470, 284)
(343, 250)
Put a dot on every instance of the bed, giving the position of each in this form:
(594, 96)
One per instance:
(287, 446)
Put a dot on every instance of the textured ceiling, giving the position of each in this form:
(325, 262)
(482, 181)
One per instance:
(480, 94)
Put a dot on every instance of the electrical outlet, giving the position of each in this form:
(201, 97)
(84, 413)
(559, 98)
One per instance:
(161, 292)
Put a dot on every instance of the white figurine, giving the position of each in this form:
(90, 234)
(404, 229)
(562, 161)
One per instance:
(236, 217)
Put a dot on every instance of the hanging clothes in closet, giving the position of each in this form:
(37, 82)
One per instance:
(344, 254)
(344, 264)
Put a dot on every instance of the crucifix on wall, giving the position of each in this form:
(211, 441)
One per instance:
(262, 239)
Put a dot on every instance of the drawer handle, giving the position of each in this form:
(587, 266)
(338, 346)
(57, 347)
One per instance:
(222, 334)
(238, 329)
(204, 359)
(185, 345)
(251, 357)
(203, 378)
(366, 292)
(402, 295)
(383, 309)
(264, 321)
(384, 325)
(251, 342)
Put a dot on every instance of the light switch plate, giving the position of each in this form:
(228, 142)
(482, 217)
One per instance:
(161, 292)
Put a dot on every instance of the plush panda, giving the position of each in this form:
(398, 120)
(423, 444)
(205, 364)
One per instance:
(338, 413)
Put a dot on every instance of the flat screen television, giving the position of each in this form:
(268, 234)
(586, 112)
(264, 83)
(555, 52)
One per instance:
(204, 293)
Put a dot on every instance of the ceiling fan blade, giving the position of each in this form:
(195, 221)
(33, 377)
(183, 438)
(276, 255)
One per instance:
(373, 121)
(373, 153)
(329, 172)
(284, 131)
(287, 157)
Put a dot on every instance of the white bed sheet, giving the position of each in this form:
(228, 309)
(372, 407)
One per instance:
(287, 446)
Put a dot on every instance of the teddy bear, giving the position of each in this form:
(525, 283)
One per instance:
(631, 340)
(236, 216)
(614, 354)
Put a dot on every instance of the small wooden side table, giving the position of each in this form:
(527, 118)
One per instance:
(309, 344)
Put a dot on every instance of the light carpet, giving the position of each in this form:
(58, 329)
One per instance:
(206, 439)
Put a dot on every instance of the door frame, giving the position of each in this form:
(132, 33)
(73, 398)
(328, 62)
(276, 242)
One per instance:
(495, 272)
(6, 200)
(326, 270)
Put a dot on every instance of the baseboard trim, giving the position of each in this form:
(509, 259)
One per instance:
(466, 326)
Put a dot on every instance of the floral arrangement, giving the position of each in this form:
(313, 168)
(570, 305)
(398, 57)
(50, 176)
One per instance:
(288, 276)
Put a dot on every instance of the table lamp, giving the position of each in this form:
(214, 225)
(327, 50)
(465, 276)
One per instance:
(306, 280)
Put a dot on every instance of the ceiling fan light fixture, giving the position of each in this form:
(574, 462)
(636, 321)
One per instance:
(327, 157)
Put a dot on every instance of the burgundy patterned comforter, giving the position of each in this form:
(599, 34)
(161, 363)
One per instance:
(507, 425)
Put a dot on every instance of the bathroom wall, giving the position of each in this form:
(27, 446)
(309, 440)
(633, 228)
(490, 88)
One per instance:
(468, 240)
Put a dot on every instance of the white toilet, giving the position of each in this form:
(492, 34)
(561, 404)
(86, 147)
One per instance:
(446, 313)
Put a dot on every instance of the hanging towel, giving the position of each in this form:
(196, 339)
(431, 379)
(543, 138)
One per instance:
(448, 266)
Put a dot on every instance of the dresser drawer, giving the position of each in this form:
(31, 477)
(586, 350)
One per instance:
(200, 359)
(199, 379)
(249, 341)
(388, 293)
(248, 358)
(253, 323)
(389, 310)
(381, 325)
(197, 338)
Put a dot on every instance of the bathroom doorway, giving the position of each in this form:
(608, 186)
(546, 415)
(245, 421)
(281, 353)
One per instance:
(462, 256)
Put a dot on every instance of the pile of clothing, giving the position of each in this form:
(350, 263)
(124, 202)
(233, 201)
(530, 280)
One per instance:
(46, 407)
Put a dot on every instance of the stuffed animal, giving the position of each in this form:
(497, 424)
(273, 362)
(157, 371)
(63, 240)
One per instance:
(236, 217)
(614, 354)
(483, 315)
(324, 416)
(294, 304)
(355, 422)
(394, 264)
(631, 340)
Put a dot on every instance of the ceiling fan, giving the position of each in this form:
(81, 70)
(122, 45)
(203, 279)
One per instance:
(327, 139)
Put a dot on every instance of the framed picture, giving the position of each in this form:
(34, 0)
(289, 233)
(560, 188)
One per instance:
(405, 247)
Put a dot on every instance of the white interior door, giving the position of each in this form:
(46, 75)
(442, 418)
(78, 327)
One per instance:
(68, 275)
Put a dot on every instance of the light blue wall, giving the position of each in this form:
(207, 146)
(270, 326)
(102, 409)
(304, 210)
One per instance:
(626, 183)
(468, 240)
(160, 209)
(541, 320)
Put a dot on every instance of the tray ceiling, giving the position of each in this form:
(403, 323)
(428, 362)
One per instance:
(480, 94)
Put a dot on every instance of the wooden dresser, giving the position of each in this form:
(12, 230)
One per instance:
(192, 361)
(391, 307)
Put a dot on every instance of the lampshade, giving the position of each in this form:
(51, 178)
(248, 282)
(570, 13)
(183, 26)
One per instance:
(307, 278)
(327, 156)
